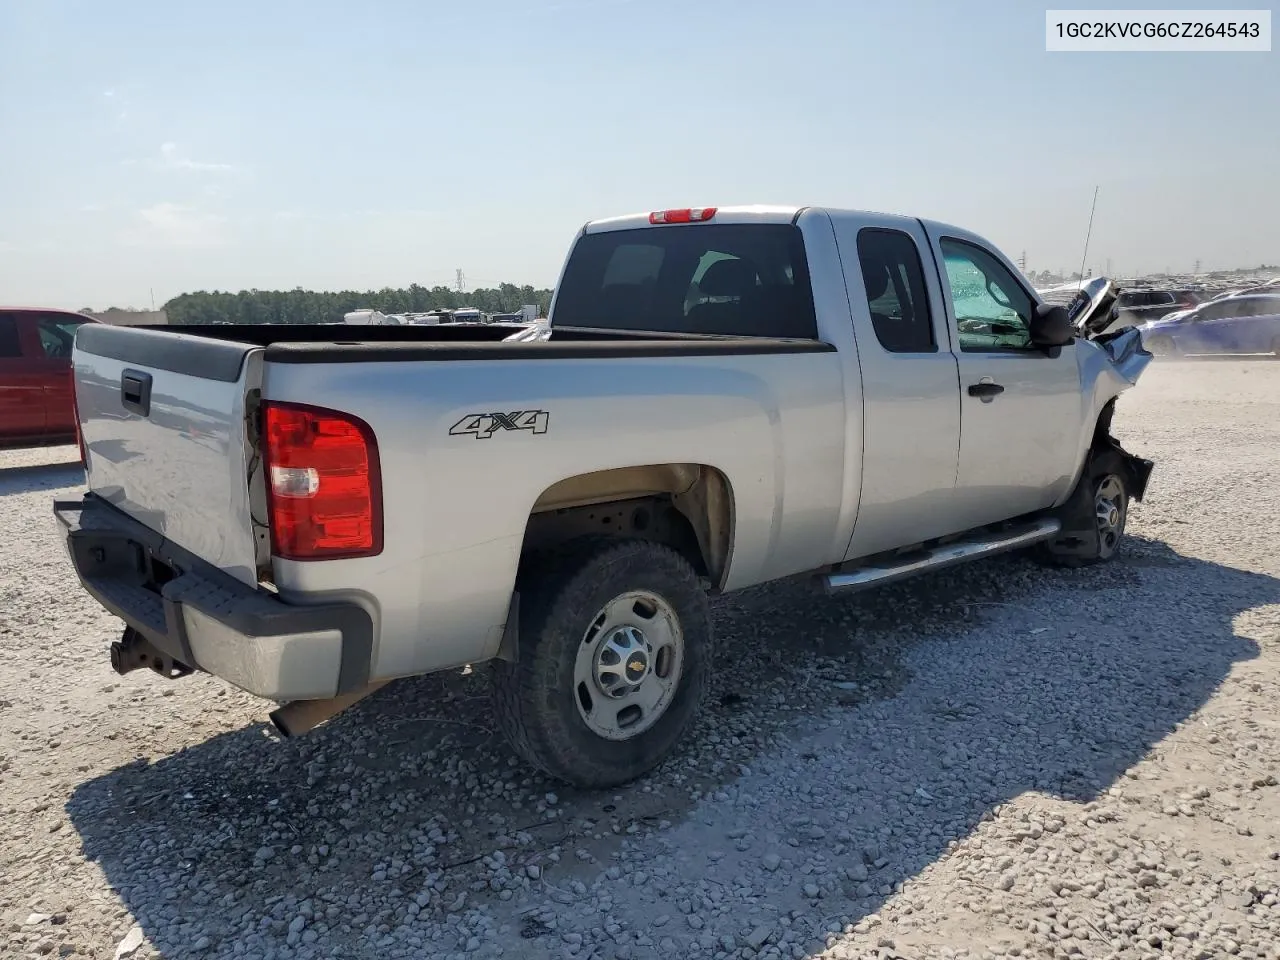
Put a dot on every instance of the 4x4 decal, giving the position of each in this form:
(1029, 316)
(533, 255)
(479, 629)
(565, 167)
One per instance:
(482, 426)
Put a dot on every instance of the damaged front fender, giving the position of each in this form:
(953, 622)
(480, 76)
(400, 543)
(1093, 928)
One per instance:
(1138, 468)
(1125, 351)
(1078, 539)
(1109, 365)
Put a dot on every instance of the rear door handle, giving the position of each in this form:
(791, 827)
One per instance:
(135, 392)
(985, 390)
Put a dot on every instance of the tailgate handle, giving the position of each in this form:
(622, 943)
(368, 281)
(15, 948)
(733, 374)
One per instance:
(135, 392)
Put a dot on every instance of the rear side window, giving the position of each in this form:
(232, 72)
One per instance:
(745, 280)
(10, 345)
(1255, 307)
(896, 295)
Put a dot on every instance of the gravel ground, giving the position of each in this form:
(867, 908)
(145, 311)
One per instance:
(996, 760)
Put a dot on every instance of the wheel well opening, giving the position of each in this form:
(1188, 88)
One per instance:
(1102, 429)
(686, 506)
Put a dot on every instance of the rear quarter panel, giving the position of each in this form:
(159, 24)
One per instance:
(1266, 337)
(456, 506)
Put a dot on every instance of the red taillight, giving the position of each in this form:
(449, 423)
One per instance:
(324, 489)
(687, 215)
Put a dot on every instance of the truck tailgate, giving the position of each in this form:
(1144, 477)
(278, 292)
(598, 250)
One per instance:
(163, 418)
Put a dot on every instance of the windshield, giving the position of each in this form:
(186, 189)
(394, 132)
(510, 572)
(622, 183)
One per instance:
(747, 280)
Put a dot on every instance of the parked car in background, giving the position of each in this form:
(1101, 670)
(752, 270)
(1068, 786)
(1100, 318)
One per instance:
(1136, 306)
(1249, 323)
(37, 405)
(1269, 286)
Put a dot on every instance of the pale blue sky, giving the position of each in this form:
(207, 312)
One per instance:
(182, 145)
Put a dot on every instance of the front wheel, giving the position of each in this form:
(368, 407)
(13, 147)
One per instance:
(1111, 509)
(1106, 497)
(612, 665)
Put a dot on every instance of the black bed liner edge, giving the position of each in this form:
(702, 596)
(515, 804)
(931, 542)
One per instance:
(216, 352)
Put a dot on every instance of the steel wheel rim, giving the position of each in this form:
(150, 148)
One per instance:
(628, 665)
(1110, 506)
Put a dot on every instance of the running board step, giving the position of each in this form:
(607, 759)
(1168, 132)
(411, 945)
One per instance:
(945, 555)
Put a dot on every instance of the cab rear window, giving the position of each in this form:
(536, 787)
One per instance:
(746, 280)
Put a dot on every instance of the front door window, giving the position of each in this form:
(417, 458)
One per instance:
(992, 310)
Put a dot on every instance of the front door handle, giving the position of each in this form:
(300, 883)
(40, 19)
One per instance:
(985, 390)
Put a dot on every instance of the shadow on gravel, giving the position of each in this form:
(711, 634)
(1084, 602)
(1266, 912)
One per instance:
(377, 822)
(44, 476)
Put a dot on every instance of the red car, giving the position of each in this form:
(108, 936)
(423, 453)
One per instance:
(37, 402)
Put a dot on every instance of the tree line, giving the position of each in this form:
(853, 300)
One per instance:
(312, 306)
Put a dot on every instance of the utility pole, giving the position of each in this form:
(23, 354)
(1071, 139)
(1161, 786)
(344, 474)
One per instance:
(1197, 270)
(1022, 262)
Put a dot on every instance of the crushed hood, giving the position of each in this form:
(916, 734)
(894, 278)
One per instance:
(1093, 309)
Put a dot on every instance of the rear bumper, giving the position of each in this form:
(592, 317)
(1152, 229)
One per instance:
(205, 619)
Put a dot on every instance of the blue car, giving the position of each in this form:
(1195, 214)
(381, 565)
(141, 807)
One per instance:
(1240, 324)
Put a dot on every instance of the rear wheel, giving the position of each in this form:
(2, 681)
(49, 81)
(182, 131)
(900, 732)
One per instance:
(613, 662)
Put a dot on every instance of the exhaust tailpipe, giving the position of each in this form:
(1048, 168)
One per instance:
(296, 718)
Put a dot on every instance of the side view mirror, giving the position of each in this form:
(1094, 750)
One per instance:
(1051, 326)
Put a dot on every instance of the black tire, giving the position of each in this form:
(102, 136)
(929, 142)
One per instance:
(536, 699)
(1105, 467)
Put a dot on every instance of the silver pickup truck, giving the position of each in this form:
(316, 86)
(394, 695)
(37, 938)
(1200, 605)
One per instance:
(721, 398)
